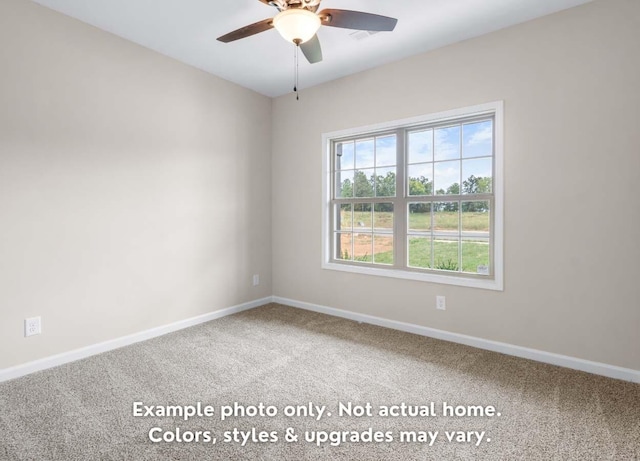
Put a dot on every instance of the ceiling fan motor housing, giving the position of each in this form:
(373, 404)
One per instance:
(282, 5)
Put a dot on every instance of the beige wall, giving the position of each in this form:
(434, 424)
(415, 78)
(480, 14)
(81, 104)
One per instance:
(134, 190)
(570, 83)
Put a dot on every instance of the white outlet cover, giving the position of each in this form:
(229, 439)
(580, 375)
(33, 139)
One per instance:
(441, 303)
(32, 326)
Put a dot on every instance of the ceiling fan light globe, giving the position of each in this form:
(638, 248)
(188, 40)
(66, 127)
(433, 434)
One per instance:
(297, 24)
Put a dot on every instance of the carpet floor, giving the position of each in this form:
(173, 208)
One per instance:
(498, 407)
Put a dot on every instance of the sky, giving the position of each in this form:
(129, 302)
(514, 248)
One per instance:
(438, 154)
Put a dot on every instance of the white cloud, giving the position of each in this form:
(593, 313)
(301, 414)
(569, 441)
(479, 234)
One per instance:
(481, 136)
(447, 143)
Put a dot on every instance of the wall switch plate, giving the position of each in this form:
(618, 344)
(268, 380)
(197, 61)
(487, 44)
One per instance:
(32, 326)
(441, 303)
(256, 280)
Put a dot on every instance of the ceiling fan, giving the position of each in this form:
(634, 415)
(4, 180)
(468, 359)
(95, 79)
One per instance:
(298, 21)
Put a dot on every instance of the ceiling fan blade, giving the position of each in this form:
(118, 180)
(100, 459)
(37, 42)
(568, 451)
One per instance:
(247, 31)
(357, 20)
(312, 50)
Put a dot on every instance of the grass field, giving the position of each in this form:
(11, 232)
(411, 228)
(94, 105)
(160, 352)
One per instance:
(423, 253)
(442, 220)
(445, 254)
(448, 220)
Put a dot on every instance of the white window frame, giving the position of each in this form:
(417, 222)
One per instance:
(496, 282)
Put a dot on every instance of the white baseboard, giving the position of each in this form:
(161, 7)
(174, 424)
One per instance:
(597, 368)
(77, 354)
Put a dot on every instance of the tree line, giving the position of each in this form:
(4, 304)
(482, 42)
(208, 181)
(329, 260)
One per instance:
(385, 186)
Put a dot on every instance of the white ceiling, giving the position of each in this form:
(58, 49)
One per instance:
(186, 30)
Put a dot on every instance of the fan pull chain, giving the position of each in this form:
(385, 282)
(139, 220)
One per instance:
(296, 69)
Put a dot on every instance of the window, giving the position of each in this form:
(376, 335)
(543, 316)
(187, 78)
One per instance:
(418, 199)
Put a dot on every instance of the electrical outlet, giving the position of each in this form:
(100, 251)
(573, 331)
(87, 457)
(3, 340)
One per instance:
(441, 303)
(32, 326)
(256, 280)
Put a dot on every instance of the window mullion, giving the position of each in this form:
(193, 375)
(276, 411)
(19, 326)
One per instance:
(400, 204)
(460, 234)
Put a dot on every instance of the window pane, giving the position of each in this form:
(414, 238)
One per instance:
(446, 217)
(419, 217)
(362, 248)
(344, 184)
(362, 217)
(383, 249)
(476, 218)
(344, 155)
(385, 182)
(477, 139)
(343, 247)
(447, 178)
(363, 183)
(344, 217)
(421, 146)
(364, 154)
(477, 176)
(386, 151)
(420, 179)
(445, 254)
(475, 256)
(383, 217)
(447, 143)
(419, 252)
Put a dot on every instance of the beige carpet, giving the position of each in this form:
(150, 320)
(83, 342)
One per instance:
(282, 356)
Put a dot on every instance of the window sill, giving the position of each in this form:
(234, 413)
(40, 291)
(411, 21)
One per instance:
(459, 280)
